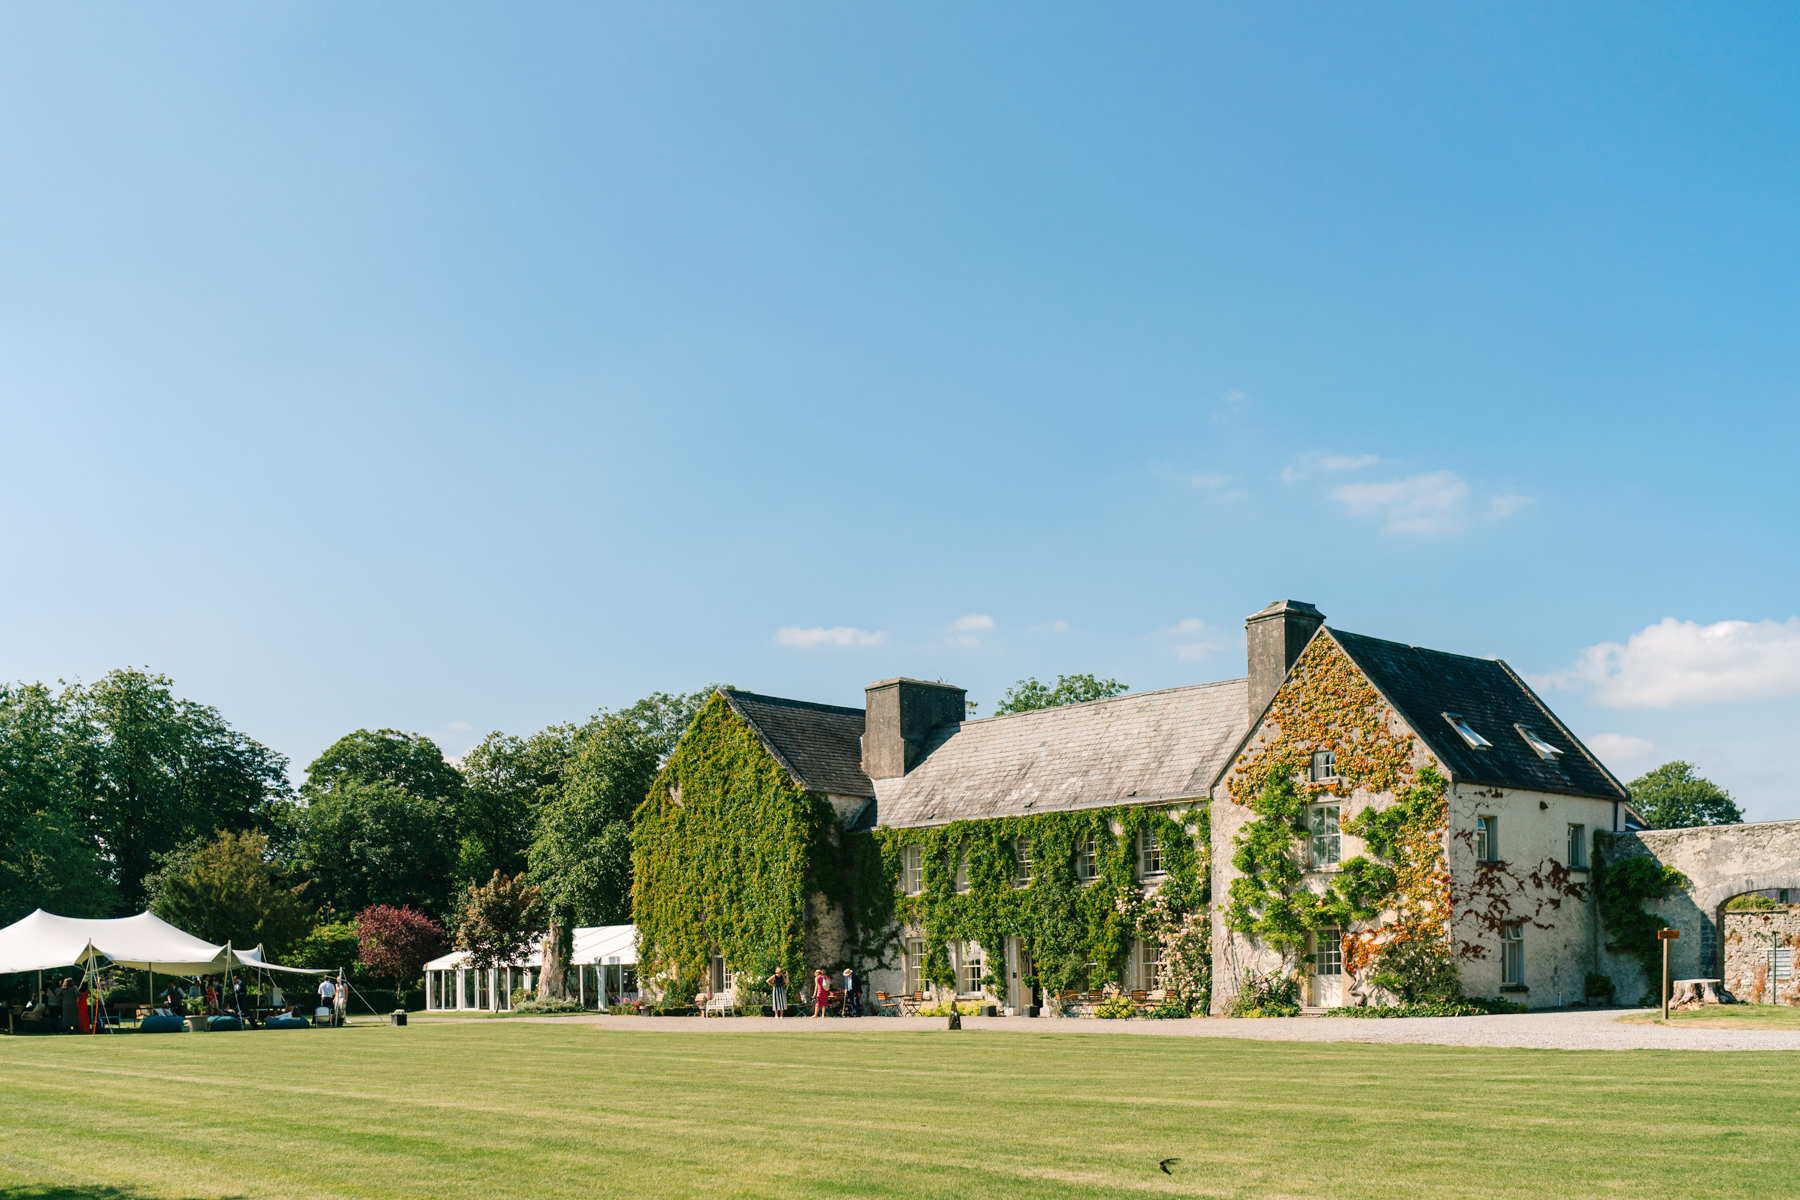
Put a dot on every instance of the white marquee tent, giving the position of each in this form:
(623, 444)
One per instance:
(44, 941)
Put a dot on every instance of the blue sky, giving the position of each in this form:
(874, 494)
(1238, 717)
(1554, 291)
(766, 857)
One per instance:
(456, 369)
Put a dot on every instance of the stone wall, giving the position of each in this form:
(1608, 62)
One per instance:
(1746, 943)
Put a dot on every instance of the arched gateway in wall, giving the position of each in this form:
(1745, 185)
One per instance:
(1719, 861)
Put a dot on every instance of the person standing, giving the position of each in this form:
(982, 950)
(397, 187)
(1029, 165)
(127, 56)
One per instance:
(852, 997)
(328, 998)
(70, 1004)
(84, 1009)
(821, 992)
(778, 992)
(238, 998)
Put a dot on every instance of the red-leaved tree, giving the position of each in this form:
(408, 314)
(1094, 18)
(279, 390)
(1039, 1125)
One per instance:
(396, 943)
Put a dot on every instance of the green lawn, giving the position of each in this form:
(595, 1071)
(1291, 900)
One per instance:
(504, 1108)
(1728, 1016)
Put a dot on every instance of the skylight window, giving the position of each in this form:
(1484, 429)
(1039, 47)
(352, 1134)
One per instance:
(1475, 740)
(1544, 749)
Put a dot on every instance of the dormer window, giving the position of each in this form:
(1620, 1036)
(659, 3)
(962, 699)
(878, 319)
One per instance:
(1324, 765)
(1475, 740)
(1544, 749)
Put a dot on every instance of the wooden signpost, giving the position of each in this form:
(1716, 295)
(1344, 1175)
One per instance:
(1666, 936)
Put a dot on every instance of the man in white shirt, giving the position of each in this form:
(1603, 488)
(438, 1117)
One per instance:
(328, 997)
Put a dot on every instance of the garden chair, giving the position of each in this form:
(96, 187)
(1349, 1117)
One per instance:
(722, 1005)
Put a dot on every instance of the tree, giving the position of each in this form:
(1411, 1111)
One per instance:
(226, 890)
(155, 771)
(47, 858)
(581, 855)
(331, 946)
(373, 842)
(500, 920)
(396, 943)
(406, 760)
(1028, 694)
(1674, 797)
(508, 780)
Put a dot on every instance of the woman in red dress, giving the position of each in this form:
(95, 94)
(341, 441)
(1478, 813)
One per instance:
(84, 1013)
(821, 993)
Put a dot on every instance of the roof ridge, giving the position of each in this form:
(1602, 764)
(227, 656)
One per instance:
(1185, 687)
(1411, 645)
(791, 703)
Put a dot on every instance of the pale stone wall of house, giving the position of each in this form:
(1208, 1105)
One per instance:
(1532, 883)
(1746, 943)
(1233, 953)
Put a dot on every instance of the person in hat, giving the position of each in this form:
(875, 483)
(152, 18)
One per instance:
(852, 997)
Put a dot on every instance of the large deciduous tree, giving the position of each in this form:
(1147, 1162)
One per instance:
(581, 856)
(116, 773)
(508, 781)
(1028, 693)
(406, 760)
(369, 842)
(1674, 797)
(48, 857)
(226, 890)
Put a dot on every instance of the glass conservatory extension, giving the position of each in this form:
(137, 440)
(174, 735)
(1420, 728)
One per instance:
(602, 972)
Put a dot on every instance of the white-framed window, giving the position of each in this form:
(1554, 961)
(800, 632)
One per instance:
(1327, 843)
(1512, 954)
(1324, 765)
(1467, 731)
(1149, 852)
(915, 965)
(962, 870)
(1544, 749)
(1487, 839)
(1087, 860)
(970, 967)
(1578, 846)
(912, 870)
(1150, 953)
(1328, 952)
(1022, 862)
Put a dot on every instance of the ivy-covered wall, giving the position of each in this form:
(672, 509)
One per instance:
(1391, 798)
(729, 853)
(1064, 922)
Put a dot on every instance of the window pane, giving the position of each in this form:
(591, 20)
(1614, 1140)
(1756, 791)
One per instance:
(1326, 842)
(1022, 862)
(1328, 958)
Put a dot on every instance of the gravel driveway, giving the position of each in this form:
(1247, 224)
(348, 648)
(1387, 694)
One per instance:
(1600, 1030)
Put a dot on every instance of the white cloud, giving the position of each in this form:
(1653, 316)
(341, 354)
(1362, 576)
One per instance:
(1423, 505)
(1314, 460)
(807, 637)
(1051, 627)
(1228, 404)
(1620, 747)
(1676, 662)
(972, 622)
(1193, 638)
(1506, 505)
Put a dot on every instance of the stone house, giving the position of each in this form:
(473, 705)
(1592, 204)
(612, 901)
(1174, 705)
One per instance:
(1012, 856)
(1507, 854)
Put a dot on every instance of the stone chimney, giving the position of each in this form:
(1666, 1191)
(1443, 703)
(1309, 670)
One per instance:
(901, 712)
(1277, 635)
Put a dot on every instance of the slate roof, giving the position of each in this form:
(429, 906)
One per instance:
(1424, 684)
(1130, 749)
(819, 744)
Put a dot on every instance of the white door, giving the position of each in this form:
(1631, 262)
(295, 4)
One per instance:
(1328, 968)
